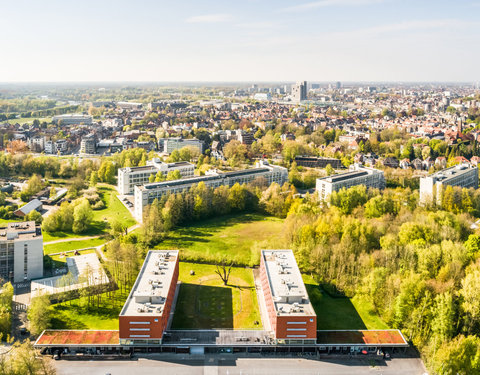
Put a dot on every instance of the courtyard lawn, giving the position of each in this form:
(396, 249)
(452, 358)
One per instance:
(342, 312)
(72, 245)
(237, 238)
(205, 303)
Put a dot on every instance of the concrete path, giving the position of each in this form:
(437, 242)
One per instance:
(72, 239)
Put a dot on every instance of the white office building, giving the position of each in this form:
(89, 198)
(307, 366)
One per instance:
(462, 175)
(171, 144)
(359, 175)
(21, 252)
(146, 194)
(130, 177)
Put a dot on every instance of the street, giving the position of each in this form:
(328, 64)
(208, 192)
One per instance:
(216, 365)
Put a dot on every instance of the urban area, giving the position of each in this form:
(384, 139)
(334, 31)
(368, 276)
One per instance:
(321, 221)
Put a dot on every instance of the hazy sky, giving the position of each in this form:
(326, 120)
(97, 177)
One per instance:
(239, 40)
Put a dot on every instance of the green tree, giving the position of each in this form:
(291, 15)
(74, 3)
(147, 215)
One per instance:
(82, 216)
(39, 314)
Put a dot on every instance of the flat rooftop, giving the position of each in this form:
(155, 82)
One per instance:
(26, 230)
(51, 337)
(150, 291)
(286, 284)
(195, 180)
(451, 172)
(385, 337)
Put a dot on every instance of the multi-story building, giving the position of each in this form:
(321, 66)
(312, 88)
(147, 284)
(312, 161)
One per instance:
(299, 91)
(246, 138)
(146, 194)
(463, 175)
(291, 315)
(130, 177)
(59, 146)
(314, 162)
(359, 175)
(171, 144)
(144, 317)
(21, 252)
(88, 145)
(72, 119)
(36, 144)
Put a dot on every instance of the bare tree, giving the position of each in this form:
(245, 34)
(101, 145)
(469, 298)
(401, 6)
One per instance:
(223, 270)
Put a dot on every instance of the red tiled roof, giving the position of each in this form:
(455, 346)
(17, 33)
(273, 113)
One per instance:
(74, 337)
(360, 337)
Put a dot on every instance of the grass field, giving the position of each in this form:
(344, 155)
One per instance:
(72, 245)
(28, 120)
(205, 303)
(239, 238)
(114, 210)
(343, 312)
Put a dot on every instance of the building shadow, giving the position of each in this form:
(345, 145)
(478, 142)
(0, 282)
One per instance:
(334, 313)
(203, 307)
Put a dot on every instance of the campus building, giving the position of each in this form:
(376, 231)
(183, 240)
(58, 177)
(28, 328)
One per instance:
(291, 315)
(314, 162)
(299, 91)
(130, 177)
(146, 194)
(21, 252)
(145, 315)
(88, 145)
(462, 175)
(370, 177)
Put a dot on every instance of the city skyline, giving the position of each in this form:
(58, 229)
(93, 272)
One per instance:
(328, 40)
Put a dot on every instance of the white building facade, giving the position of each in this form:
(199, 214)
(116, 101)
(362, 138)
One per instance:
(370, 177)
(21, 252)
(130, 177)
(146, 194)
(462, 175)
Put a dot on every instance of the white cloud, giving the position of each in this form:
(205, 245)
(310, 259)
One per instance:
(327, 3)
(210, 18)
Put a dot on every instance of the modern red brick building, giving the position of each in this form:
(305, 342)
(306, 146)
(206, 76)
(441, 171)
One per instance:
(145, 315)
(291, 315)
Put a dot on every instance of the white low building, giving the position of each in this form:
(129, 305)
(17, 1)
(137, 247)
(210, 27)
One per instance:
(130, 177)
(359, 175)
(83, 271)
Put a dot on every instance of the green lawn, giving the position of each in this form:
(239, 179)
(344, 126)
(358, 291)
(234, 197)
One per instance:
(205, 303)
(114, 209)
(72, 245)
(4, 222)
(239, 238)
(342, 312)
(29, 120)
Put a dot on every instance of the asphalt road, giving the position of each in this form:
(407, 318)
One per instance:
(243, 366)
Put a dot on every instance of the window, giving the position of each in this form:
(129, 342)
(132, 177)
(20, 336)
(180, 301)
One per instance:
(139, 322)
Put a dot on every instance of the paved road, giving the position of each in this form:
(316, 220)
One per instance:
(233, 366)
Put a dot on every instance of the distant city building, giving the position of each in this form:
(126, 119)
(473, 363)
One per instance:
(146, 194)
(338, 85)
(88, 145)
(370, 177)
(128, 105)
(36, 144)
(171, 144)
(463, 175)
(290, 313)
(144, 317)
(58, 147)
(262, 96)
(130, 177)
(246, 138)
(299, 91)
(72, 119)
(21, 252)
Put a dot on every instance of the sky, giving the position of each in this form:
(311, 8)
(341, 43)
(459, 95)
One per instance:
(239, 40)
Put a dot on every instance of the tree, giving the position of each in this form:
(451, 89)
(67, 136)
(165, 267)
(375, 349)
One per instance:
(461, 356)
(93, 178)
(174, 175)
(39, 314)
(223, 270)
(6, 296)
(443, 313)
(82, 216)
(24, 359)
(470, 292)
(235, 152)
(329, 169)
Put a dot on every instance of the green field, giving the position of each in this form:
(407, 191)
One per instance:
(205, 303)
(28, 120)
(239, 238)
(72, 245)
(341, 312)
(114, 210)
